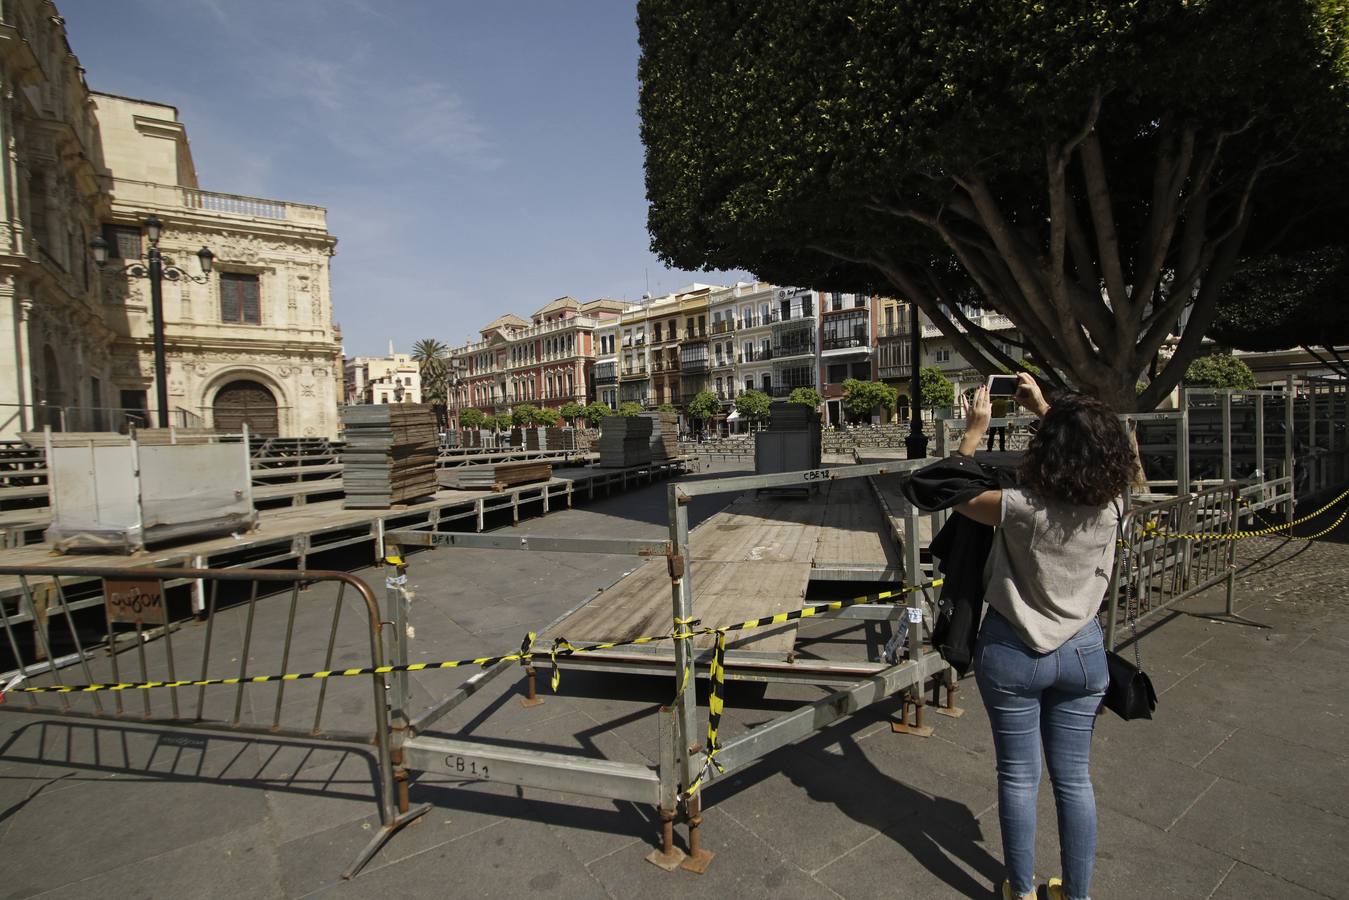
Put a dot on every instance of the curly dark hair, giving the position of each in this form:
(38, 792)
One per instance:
(1080, 455)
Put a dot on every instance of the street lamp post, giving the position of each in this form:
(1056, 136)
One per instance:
(156, 270)
(916, 442)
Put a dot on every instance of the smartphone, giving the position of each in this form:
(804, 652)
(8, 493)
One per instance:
(1001, 385)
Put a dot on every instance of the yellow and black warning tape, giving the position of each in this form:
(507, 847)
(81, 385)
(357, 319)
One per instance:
(1152, 529)
(561, 647)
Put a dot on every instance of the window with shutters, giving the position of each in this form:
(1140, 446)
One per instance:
(240, 300)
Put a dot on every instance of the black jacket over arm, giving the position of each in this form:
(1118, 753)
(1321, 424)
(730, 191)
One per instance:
(962, 547)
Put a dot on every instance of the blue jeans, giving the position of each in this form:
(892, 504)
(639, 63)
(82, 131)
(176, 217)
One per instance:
(1051, 698)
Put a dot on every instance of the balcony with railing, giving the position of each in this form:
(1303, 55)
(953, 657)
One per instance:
(763, 354)
(988, 321)
(845, 345)
(150, 196)
(789, 350)
(892, 330)
(723, 362)
(724, 326)
(695, 334)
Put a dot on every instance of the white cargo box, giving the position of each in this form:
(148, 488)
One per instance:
(115, 493)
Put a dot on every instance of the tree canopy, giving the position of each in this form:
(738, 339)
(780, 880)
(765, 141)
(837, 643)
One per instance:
(1093, 170)
(703, 406)
(753, 405)
(935, 387)
(1275, 302)
(1220, 370)
(806, 396)
(472, 418)
(860, 398)
(629, 409)
(525, 414)
(595, 412)
(571, 411)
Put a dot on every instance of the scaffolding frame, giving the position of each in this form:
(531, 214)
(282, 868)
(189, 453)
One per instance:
(673, 785)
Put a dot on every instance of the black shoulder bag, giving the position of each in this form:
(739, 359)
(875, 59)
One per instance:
(1130, 694)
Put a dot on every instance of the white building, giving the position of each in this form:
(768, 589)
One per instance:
(396, 378)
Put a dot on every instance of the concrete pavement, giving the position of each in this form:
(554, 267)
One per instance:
(1238, 788)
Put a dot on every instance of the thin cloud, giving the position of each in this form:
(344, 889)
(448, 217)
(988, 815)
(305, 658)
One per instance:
(378, 121)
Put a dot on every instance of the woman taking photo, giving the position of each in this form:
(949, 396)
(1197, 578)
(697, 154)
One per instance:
(1040, 658)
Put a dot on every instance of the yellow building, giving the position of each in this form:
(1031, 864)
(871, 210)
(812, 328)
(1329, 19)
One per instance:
(254, 342)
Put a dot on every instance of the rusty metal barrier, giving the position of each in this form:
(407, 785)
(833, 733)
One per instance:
(1169, 551)
(147, 611)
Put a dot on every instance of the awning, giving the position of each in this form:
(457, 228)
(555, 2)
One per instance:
(735, 414)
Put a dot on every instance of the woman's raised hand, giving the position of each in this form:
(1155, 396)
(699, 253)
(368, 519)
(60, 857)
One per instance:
(1028, 394)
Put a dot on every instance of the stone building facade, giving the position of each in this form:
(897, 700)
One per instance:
(255, 343)
(545, 360)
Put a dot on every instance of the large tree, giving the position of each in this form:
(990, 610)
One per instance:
(1090, 169)
(1276, 302)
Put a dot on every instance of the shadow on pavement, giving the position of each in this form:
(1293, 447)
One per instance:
(318, 769)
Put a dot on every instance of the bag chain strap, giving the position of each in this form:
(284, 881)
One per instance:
(1130, 595)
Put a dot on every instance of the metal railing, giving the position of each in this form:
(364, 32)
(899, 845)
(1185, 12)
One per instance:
(15, 418)
(684, 762)
(133, 630)
(1163, 559)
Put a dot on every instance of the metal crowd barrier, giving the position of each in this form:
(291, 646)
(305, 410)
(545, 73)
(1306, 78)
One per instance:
(685, 764)
(146, 633)
(1170, 551)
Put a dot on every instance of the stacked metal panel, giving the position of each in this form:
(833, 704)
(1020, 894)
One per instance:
(664, 435)
(390, 454)
(496, 477)
(792, 441)
(625, 441)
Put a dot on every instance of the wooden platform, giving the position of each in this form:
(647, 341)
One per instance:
(295, 533)
(754, 558)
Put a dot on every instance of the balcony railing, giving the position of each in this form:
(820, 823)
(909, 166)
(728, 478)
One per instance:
(695, 334)
(859, 344)
(694, 365)
(760, 355)
(892, 331)
(722, 327)
(785, 351)
(722, 362)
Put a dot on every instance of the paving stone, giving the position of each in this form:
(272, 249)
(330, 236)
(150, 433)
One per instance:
(226, 866)
(1136, 860)
(920, 859)
(510, 859)
(1245, 882)
(115, 821)
(1285, 838)
(1289, 770)
(744, 867)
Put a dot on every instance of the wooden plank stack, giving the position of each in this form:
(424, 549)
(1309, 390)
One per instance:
(390, 454)
(496, 477)
(664, 435)
(625, 441)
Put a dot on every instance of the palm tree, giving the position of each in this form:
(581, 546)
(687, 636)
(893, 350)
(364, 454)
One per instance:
(430, 355)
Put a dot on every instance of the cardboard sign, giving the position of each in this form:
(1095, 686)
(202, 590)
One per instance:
(139, 602)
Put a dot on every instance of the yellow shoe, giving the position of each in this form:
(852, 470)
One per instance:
(1054, 890)
(1009, 894)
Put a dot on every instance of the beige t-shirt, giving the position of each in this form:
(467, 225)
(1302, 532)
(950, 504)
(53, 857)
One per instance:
(1049, 566)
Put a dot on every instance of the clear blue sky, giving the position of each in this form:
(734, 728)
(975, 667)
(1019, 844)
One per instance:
(475, 158)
